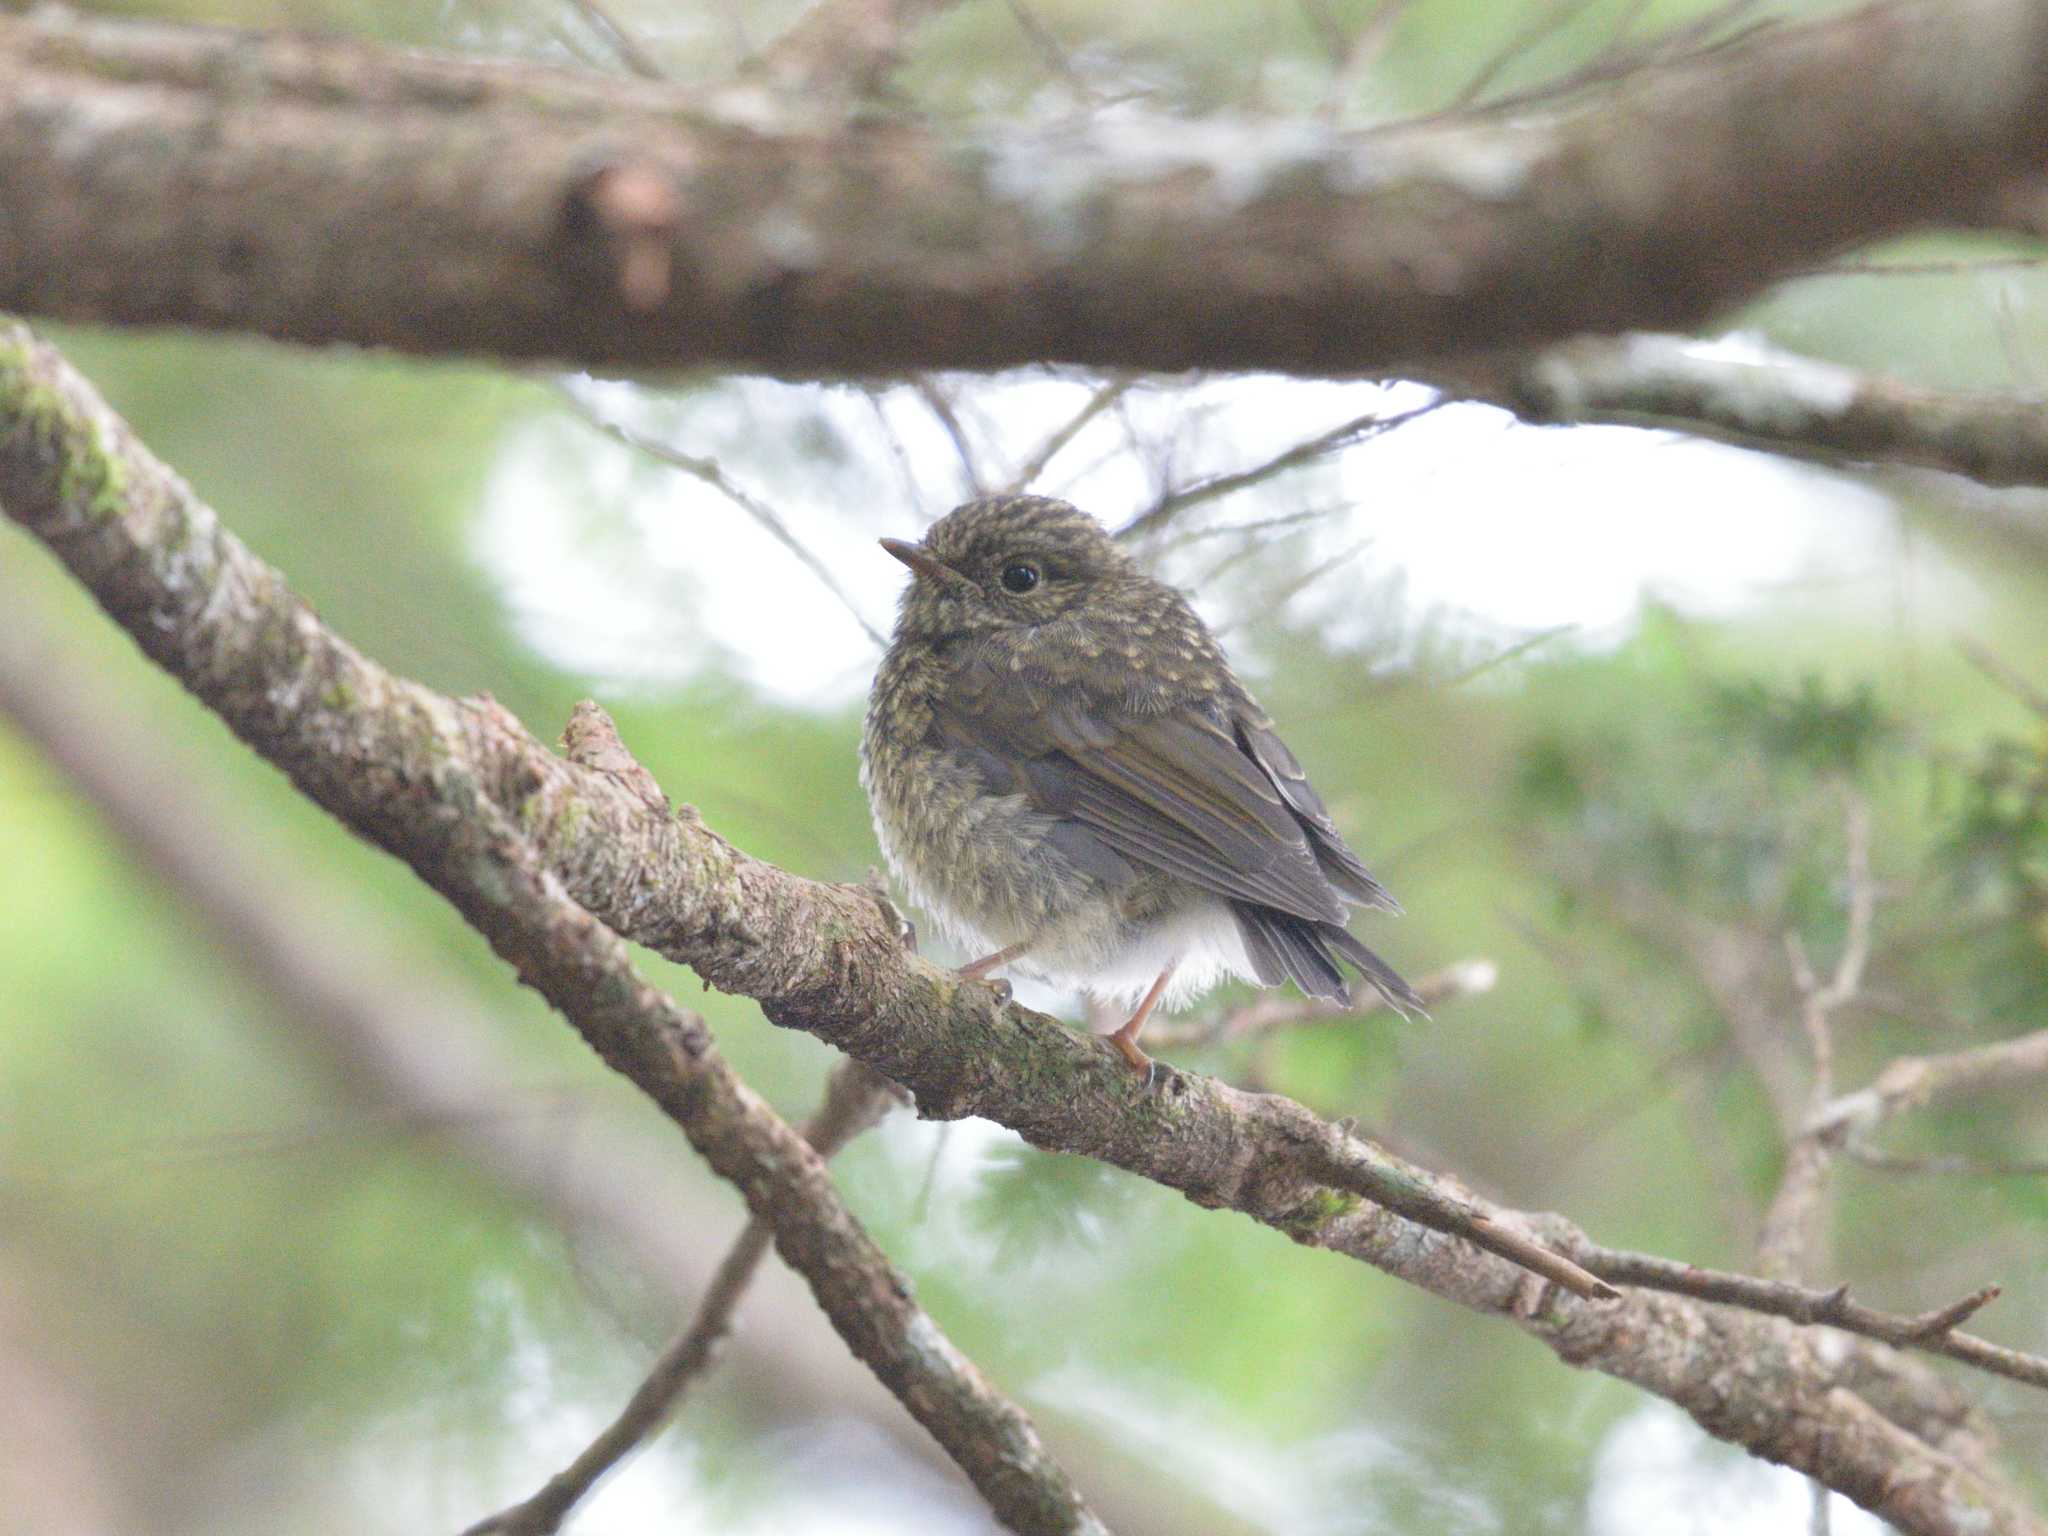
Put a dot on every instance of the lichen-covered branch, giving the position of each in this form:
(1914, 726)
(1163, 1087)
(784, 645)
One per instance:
(232, 630)
(465, 795)
(350, 996)
(1776, 401)
(317, 190)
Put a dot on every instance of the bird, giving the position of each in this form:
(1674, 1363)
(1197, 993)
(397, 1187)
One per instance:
(1068, 777)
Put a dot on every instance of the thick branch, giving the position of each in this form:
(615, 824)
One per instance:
(318, 191)
(417, 773)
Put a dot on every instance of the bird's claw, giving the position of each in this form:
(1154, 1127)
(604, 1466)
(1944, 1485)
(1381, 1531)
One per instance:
(1136, 1059)
(892, 915)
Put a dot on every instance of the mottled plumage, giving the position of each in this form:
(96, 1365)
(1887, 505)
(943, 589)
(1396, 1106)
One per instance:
(1065, 772)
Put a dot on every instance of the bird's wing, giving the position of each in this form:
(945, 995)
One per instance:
(1175, 790)
(1344, 868)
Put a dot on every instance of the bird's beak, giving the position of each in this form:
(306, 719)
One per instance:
(913, 555)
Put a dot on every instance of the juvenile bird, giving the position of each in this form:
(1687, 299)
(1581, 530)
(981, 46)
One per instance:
(1066, 774)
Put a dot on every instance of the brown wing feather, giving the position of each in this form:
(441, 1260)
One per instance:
(1174, 791)
(1344, 868)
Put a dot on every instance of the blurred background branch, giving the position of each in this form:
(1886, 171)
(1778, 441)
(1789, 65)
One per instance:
(1754, 396)
(1359, 255)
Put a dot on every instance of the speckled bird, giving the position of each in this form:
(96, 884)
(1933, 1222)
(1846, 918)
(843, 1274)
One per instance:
(1066, 774)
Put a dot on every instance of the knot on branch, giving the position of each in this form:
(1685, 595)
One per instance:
(620, 221)
(592, 739)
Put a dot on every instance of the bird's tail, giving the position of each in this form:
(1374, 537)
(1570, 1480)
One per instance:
(1283, 947)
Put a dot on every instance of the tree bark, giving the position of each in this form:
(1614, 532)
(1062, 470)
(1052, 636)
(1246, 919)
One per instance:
(320, 191)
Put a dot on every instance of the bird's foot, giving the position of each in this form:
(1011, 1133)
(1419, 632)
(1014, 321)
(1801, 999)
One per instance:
(1126, 1039)
(978, 970)
(1126, 1042)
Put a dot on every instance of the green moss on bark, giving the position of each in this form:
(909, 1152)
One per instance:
(89, 476)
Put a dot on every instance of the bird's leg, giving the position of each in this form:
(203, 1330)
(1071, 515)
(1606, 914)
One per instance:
(1126, 1039)
(977, 970)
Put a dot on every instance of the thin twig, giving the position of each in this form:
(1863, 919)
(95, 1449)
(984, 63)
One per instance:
(1098, 402)
(1933, 1331)
(620, 39)
(1353, 61)
(1946, 1166)
(941, 407)
(1909, 1081)
(2004, 674)
(1317, 14)
(710, 473)
(899, 454)
(1357, 430)
(1191, 536)
(1784, 1250)
(1556, 16)
(841, 51)
(1274, 602)
(855, 1099)
(1955, 266)
(1049, 47)
(1696, 39)
(1506, 654)
(1468, 978)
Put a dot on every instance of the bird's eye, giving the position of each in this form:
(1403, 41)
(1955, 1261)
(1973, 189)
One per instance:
(1019, 576)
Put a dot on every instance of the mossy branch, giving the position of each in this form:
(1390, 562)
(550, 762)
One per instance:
(429, 790)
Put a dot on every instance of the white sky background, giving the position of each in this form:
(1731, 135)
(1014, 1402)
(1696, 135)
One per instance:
(638, 576)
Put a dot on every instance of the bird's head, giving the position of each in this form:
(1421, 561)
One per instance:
(1007, 561)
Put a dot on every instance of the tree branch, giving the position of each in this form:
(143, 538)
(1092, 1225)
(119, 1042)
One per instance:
(1910, 1081)
(1773, 401)
(352, 997)
(443, 784)
(63, 453)
(1793, 1223)
(1932, 1330)
(855, 1099)
(321, 191)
